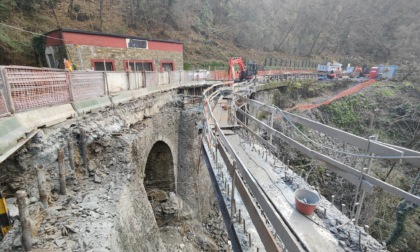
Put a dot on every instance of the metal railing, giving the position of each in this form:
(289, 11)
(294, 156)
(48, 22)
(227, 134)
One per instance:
(217, 145)
(3, 94)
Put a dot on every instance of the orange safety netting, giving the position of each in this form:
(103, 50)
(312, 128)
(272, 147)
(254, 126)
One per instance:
(349, 91)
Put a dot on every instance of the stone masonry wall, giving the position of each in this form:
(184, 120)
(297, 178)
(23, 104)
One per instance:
(119, 54)
(107, 210)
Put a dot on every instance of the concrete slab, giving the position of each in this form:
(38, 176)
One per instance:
(122, 98)
(11, 131)
(221, 112)
(92, 105)
(139, 93)
(310, 230)
(46, 116)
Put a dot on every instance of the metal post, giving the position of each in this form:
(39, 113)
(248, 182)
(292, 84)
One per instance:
(8, 88)
(362, 197)
(22, 202)
(71, 154)
(70, 86)
(215, 153)
(61, 172)
(272, 126)
(84, 151)
(42, 186)
(106, 88)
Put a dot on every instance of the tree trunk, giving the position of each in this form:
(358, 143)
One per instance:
(287, 34)
(101, 12)
(313, 44)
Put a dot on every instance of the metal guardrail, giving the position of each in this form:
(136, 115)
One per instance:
(221, 144)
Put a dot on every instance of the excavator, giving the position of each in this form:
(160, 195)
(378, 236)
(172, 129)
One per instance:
(245, 73)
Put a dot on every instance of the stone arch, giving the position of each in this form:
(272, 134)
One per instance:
(160, 171)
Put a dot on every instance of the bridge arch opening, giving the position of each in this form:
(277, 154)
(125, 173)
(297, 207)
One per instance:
(160, 170)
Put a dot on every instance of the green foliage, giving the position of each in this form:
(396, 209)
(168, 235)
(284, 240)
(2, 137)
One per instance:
(262, 115)
(5, 9)
(214, 65)
(187, 66)
(345, 115)
(271, 85)
(9, 40)
(385, 93)
(38, 44)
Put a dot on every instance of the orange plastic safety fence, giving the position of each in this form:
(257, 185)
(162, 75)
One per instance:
(342, 94)
(35, 87)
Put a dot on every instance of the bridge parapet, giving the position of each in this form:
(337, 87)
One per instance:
(36, 97)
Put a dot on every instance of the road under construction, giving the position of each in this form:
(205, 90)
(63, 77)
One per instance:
(119, 150)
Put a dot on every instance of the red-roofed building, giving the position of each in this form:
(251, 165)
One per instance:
(111, 52)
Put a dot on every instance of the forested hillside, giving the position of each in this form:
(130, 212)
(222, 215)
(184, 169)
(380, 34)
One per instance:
(377, 31)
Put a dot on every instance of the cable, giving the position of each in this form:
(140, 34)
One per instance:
(334, 150)
(20, 29)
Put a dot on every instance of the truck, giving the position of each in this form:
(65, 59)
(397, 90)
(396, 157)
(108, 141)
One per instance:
(331, 70)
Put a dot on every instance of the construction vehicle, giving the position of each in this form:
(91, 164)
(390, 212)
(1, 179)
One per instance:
(5, 222)
(248, 73)
(331, 70)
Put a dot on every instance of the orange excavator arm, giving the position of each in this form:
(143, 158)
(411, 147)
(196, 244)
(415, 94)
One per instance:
(234, 61)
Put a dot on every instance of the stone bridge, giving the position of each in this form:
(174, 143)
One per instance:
(142, 168)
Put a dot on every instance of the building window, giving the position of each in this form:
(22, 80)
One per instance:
(135, 43)
(103, 65)
(138, 65)
(166, 66)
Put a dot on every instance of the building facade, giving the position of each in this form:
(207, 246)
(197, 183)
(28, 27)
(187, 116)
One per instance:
(111, 52)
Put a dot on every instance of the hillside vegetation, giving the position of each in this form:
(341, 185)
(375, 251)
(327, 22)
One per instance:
(214, 30)
(388, 110)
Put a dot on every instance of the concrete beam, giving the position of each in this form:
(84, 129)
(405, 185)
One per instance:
(92, 105)
(11, 131)
(46, 116)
